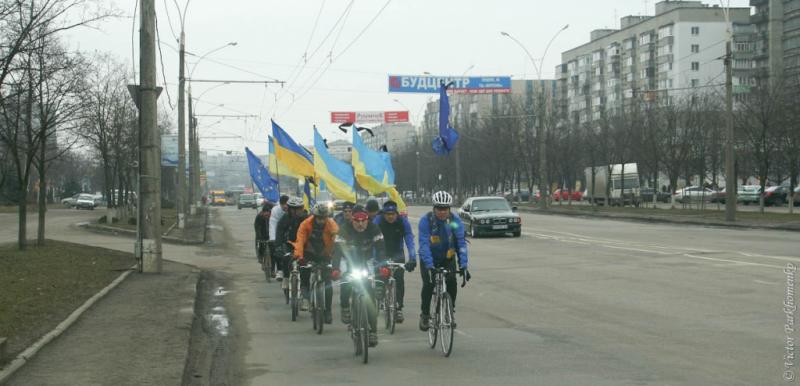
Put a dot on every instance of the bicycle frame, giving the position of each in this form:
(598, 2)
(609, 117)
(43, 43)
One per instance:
(317, 294)
(359, 321)
(442, 319)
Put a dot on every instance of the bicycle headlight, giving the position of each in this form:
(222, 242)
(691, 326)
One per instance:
(358, 274)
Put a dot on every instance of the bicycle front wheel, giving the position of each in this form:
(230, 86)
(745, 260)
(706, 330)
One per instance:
(266, 266)
(365, 328)
(319, 306)
(355, 326)
(294, 296)
(391, 309)
(446, 325)
(433, 324)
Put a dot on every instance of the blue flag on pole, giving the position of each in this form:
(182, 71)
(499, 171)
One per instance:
(446, 141)
(267, 185)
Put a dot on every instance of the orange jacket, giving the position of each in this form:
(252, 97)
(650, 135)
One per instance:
(304, 235)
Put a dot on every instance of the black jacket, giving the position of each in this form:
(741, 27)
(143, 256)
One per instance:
(287, 229)
(358, 247)
(261, 225)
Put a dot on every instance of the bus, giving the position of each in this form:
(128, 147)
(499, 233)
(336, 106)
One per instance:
(217, 198)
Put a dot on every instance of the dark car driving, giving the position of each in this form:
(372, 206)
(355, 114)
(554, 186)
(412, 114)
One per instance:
(489, 215)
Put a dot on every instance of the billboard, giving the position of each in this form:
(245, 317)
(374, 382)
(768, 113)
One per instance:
(369, 116)
(169, 150)
(429, 84)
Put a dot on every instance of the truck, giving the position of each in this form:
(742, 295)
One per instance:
(624, 190)
(217, 198)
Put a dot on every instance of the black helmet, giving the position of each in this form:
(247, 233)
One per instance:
(372, 205)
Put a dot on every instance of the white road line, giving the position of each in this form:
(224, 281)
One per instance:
(730, 261)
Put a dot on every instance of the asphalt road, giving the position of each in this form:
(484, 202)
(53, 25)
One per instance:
(574, 301)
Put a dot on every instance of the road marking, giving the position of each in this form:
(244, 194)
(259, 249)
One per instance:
(730, 261)
(765, 282)
(463, 333)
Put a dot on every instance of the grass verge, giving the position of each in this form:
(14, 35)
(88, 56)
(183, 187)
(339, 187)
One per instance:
(767, 218)
(41, 286)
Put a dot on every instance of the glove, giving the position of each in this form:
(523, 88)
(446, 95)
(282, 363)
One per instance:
(336, 274)
(300, 261)
(410, 265)
(464, 272)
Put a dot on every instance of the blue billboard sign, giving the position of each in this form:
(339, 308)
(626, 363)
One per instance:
(429, 84)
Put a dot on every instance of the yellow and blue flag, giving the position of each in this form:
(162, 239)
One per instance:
(373, 170)
(308, 201)
(335, 175)
(295, 157)
(277, 168)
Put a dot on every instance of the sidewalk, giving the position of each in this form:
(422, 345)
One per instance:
(688, 218)
(194, 231)
(137, 335)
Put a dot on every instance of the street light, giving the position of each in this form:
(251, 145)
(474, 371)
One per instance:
(194, 147)
(543, 183)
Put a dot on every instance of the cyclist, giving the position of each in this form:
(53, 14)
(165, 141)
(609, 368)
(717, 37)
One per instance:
(373, 208)
(441, 239)
(261, 225)
(395, 230)
(315, 238)
(287, 232)
(274, 218)
(346, 215)
(359, 242)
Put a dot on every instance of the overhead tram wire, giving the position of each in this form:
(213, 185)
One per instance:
(169, 21)
(306, 58)
(133, 39)
(347, 47)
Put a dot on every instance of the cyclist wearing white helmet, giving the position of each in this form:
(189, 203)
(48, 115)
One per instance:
(441, 239)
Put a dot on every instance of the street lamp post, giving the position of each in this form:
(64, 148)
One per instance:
(543, 179)
(194, 159)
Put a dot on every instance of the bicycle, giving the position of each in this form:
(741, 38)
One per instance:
(359, 318)
(264, 258)
(317, 285)
(389, 304)
(443, 320)
(293, 292)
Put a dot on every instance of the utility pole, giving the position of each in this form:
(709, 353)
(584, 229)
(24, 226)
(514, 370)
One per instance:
(192, 170)
(150, 146)
(544, 189)
(180, 192)
(730, 172)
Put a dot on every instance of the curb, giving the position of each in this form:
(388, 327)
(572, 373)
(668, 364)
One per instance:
(31, 351)
(653, 219)
(129, 233)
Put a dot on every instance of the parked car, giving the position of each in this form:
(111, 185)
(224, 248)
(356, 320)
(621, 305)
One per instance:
(489, 215)
(748, 194)
(563, 195)
(69, 202)
(693, 194)
(776, 196)
(718, 196)
(85, 201)
(247, 200)
(647, 195)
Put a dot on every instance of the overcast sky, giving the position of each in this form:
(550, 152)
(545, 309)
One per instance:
(408, 37)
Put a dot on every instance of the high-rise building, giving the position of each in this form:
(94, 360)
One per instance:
(396, 136)
(652, 58)
(776, 24)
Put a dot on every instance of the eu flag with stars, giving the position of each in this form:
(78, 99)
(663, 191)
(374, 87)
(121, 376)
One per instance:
(267, 185)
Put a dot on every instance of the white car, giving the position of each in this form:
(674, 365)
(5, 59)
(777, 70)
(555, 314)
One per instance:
(259, 200)
(85, 201)
(694, 193)
(69, 202)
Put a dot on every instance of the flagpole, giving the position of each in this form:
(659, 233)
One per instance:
(278, 173)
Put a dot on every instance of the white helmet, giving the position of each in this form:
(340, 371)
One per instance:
(295, 202)
(442, 198)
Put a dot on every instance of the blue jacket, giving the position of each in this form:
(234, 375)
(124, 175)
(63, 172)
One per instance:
(435, 237)
(392, 240)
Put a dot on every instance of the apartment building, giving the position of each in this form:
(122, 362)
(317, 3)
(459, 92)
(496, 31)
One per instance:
(675, 52)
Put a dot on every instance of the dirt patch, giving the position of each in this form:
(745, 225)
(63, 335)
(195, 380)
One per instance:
(41, 286)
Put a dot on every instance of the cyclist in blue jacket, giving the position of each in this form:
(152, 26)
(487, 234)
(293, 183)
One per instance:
(441, 239)
(396, 229)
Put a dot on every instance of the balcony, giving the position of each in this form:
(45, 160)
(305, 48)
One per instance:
(759, 18)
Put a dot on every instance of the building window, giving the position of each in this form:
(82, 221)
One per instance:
(695, 48)
(695, 66)
(695, 31)
(695, 82)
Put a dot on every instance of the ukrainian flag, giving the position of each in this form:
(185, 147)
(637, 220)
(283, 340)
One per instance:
(374, 171)
(277, 168)
(295, 157)
(336, 175)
